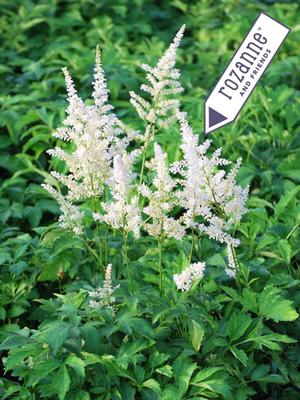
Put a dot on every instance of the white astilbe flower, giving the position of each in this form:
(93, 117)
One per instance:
(123, 211)
(163, 85)
(71, 218)
(96, 132)
(102, 297)
(97, 135)
(207, 190)
(161, 199)
(185, 280)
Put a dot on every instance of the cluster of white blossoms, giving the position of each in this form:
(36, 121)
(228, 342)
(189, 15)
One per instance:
(161, 199)
(103, 296)
(97, 134)
(207, 191)
(71, 216)
(207, 195)
(122, 212)
(163, 82)
(188, 276)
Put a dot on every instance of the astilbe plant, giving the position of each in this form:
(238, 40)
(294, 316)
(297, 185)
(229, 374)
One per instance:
(195, 196)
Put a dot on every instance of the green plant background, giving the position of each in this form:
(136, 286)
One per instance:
(146, 358)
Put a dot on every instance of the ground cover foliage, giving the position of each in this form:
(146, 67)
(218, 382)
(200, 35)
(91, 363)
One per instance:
(223, 339)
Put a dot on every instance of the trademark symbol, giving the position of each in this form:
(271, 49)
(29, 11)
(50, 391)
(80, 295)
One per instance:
(259, 29)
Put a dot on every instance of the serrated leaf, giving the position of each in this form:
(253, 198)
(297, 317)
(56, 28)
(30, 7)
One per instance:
(41, 370)
(51, 269)
(76, 363)
(54, 334)
(82, 395)
(153, 385)
(206, 373)
(285, 250)
(249, 300)
(165, 370)
(62, 382)
(285, 200)
(240, 355)
(273, 306)
(13, 341)
(183, 370)
(237, 325)
(196, 333)
(90, 358)
(271, 341)
(114, 369)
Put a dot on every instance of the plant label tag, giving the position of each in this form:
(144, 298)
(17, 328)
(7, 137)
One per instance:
(242, 74)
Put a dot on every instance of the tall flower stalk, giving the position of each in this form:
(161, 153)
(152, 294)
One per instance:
(161, 109)
(161, 203)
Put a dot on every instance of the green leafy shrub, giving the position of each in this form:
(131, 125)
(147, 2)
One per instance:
(223, 338)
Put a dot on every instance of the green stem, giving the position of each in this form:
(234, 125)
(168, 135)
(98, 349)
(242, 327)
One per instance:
(125, 251)
(160, 247)
(292, 231)
(94, 254)
(97, 226)
(236, 265)
(149, 134)
(193, 245)
(106, 245)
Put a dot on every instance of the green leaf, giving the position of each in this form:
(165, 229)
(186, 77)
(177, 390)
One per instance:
(114, 369)
(285, 250)
(271, 340)
(54, 334)
(62, 382)
(273, 378)
(82, 395)
(196, 333)
(153, 385)
(213, 380)
(41, 370)
(237, 325)
(249, 300)
(76, 363)
(51, 269)
(183, 370)
(206, 373)
(13, 341)
(165, 370)
(17, 355)
(240, 355)
(259, 371)
(90, 358)
(285, 200)
(273, 306)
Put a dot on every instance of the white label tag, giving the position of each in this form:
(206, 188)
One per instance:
(243, 72)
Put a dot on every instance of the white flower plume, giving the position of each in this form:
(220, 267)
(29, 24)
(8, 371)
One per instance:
(96, 133)
(207, 190)
(97, 136)
(122, 212)
(71, 218)
(193, 272)
(163, 85)
(161, 199)
(102, 297)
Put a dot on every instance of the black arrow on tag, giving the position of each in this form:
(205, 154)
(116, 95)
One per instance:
(214, 117)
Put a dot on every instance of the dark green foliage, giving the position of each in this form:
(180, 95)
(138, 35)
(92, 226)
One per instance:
(223, 341)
